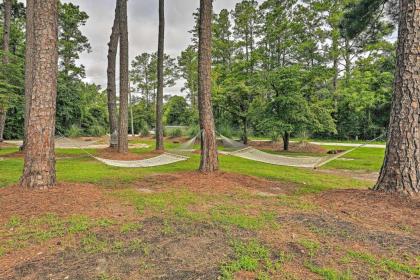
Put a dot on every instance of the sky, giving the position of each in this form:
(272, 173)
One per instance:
(143, 31)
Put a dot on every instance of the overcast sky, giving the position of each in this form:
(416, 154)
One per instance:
(143, 30)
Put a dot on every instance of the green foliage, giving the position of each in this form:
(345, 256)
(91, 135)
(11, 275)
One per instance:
(177, 111)
(193, 131)
(74, 131)
(72, 42)
(143, 75)
(177, 132)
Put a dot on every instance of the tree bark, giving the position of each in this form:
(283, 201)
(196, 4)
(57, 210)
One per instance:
(286, 141)
(209, 158)
(245, 131)
(39, 165)
(124, 87)
(28, 63)
(6, 47)
(400, 171)
(111, 70)
(159, 96)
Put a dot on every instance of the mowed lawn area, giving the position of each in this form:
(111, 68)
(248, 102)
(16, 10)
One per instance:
(249, 221)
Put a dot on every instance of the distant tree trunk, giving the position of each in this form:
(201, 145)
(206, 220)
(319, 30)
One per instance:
(286, 141)
(111, 70)
(400, 171)
(159, 96)
(39, 165)
(124, 88)
(347, 60)
(245, 131)
(6, 46)
(209, 159)
(28, 63)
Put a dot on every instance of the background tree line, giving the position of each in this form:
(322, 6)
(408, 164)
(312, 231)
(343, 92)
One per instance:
(280, 69)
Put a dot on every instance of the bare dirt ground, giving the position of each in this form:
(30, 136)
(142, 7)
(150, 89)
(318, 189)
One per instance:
(370, 235)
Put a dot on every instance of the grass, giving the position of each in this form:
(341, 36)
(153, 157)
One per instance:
(241, 215)
(310, 245)
(384, 264)
(87, 170)
(230, 215)
(250, 256)
(363, 159)
(21, 233)
(329, 273)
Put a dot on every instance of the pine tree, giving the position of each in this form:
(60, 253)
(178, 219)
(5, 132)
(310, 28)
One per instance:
(209, 159)
(39, 164)
(124, 87)
(159, 96)
(111, 70)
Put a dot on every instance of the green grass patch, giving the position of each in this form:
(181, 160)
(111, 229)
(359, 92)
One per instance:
(87, 170)
(234, 215)
(364, 159)
(130, 227)
(19, 233)
(250, 256)
(329, 273)
(310, 245)
(384, 263)
(164, 202)
(295, 202)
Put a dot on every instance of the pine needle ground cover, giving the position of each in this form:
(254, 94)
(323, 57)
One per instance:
(249, 221)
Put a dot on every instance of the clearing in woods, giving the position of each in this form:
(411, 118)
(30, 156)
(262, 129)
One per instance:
(249, 221)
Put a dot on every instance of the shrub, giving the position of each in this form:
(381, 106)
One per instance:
(96, 130)
(193, 131)
(74, 131)
(275, 136)
(177, 132)
(226, 131)
(144, 131)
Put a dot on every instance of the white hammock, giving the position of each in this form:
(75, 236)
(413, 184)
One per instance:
(163, 159)
(257, 155)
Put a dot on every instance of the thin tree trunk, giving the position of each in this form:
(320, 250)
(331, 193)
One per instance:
(159, 96)
(6, 47)
(111, 70)
(286, 141)
(245, 131)
(209, 159)
(124, 88)
(39, 165)
(347, 61)
(400, 171)
(29, 48)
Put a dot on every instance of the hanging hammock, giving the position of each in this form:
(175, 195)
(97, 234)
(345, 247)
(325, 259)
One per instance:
(251, 153)
(163, 159)
(160, 160)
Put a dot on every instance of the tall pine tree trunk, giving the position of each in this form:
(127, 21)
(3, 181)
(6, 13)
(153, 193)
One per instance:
(159, 96)
(401, 169)
(111, 70)
(6, 46)
(209, 160)
(29, 49)
(39, 166)
(124, 87)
